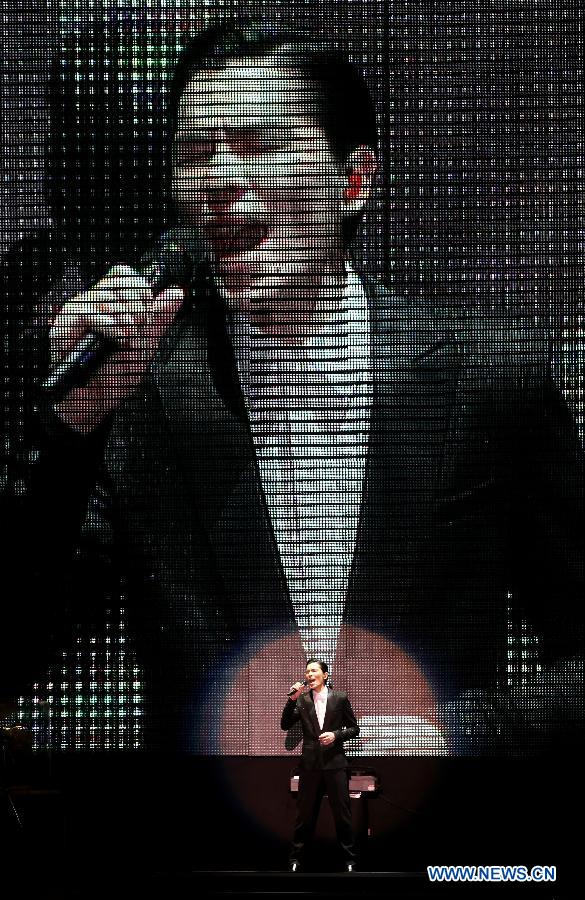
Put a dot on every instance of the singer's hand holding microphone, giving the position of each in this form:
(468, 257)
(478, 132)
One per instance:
(103, 340)
(296, 690)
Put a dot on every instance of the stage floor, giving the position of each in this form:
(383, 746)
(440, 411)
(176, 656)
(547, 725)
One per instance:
(216, 884)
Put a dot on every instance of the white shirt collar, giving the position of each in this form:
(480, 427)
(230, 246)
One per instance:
(345, 329)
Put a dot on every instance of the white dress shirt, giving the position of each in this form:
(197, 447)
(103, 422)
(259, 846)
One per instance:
(320, 701)
(309, 407)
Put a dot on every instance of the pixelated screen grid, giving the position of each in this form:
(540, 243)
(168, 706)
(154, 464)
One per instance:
(474, 208)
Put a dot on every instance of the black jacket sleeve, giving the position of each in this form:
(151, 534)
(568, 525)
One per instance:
(290, 715)
(350, 727)
(538, 455)
(548, 529)
(46, 576)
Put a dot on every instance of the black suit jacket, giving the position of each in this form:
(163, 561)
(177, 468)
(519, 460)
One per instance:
(472, 503)
(339, 718)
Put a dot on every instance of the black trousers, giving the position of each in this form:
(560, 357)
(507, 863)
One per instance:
(313, 784)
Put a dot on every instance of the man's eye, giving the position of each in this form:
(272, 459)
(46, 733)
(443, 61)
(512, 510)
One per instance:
(253, 143)
(264, 145)
(195, 154)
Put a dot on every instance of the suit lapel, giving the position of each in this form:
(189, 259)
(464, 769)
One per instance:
(313, 713)
(199, 387)
(416, 370)
(329, 709)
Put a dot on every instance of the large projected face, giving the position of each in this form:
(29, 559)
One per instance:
(255, 173)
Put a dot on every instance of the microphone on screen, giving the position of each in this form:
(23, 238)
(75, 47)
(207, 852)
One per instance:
(294, 690)
(170, 262)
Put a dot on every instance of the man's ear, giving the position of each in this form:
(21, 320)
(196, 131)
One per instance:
(360, 170)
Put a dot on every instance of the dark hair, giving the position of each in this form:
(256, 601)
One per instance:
(321, 663)
(342, 101)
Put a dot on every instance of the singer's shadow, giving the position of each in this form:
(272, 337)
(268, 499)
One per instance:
(293, 737)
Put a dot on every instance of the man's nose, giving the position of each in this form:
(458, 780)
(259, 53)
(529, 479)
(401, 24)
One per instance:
(226, 178)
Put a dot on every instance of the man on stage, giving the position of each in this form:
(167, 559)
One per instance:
(327, 720)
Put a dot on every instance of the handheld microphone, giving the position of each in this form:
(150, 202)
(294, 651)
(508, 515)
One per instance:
(169, 262)
(294, 690)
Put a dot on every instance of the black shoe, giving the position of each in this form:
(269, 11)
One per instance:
(294, 866)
